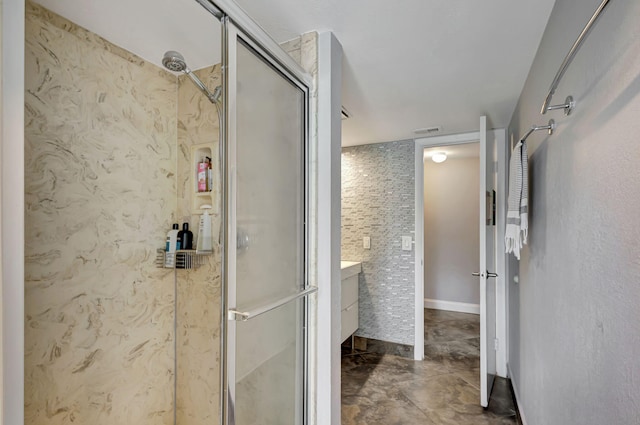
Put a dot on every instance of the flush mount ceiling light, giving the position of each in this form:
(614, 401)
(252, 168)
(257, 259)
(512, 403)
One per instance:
(439, 157)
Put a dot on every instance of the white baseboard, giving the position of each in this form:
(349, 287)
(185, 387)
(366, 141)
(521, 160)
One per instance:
(452, 306)
(515, 394)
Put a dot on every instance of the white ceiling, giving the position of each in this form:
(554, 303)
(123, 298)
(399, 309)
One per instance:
(148, 28)
(408, 64)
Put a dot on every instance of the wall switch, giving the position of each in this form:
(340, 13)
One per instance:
(406, 243)
(366, 242)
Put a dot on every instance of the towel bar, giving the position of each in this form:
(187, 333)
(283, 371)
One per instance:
(569, 103)
(549, 127)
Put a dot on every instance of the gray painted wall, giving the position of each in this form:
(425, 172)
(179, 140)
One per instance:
(378, 197)
(451, 233)
(574, 315)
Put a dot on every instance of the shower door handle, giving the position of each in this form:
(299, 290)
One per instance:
(477, 274)
(243, 316)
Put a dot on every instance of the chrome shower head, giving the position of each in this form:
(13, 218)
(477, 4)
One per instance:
(174, 61)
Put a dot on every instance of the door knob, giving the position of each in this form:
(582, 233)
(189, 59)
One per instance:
(489, 274)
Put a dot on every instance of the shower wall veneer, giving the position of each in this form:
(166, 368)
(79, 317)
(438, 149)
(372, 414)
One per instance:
(108, 139)
(198, 291)
(100, 192)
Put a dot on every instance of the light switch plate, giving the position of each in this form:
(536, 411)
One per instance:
(366, 242)
(406, 243)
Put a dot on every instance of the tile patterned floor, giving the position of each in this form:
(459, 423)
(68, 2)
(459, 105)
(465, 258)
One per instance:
(383, 389)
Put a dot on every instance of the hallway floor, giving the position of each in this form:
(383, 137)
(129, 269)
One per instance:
(382, 389)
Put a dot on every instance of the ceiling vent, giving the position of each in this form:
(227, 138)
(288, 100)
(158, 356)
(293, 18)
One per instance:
(345, 114)
(428, 130)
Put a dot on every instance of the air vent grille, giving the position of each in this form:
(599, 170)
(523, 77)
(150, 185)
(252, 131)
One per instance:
(428, 130)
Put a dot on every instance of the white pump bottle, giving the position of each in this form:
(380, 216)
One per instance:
(205, 239)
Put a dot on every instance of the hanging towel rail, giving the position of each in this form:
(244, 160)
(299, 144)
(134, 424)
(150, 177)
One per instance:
(569, 103)
(549, 127)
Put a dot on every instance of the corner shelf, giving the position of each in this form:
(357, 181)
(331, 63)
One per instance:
(181, 259)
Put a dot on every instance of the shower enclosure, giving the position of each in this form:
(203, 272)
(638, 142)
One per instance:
(264, 162)
(111, 140)
(266, 236)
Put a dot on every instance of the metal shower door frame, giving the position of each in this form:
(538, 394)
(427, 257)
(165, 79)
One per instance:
(231, 34)
(230, 14)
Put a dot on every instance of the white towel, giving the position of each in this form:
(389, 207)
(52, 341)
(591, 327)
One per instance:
(518, 204)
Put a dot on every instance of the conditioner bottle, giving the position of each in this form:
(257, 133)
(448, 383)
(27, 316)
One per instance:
(171, 247)
(205, 240)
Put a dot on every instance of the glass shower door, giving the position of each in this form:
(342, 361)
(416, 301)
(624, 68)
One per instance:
(267, 293)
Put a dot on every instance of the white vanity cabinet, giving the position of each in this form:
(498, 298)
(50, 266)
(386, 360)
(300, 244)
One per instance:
(350, 272)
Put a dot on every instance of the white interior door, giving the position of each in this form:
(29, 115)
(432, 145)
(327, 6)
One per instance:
(487, 274)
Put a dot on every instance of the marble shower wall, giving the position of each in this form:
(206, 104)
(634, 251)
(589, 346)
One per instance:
(100, 181)
(378, 186)
(198, 291)
(108, 169)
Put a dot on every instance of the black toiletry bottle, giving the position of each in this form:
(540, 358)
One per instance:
(186, 237)
(178, 239)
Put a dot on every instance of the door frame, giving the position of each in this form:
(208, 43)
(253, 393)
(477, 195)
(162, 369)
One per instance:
(499, 136)
(232, 34)
(228, 12)
(246, 24)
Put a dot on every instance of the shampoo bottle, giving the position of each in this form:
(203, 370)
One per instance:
(202, 175)
(171, 247)
(186, 237)
(205, 239)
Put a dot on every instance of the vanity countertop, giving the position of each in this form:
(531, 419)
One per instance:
(349, 268)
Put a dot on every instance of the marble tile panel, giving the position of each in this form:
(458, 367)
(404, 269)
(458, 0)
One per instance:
(380, 371)
(449, 417)
(464, 351)
(100, 155)
(432, 315)
(198, 315)
(198, 124)
(292, 47)
(382, 347)
(442, 389)
(470, 374)
(362, 410)
(304, 50)
(309, 57)
(459, 397)
(198, 291)
(377, 201)
(448, 331)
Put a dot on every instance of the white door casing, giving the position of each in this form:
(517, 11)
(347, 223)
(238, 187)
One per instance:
(496, 137)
